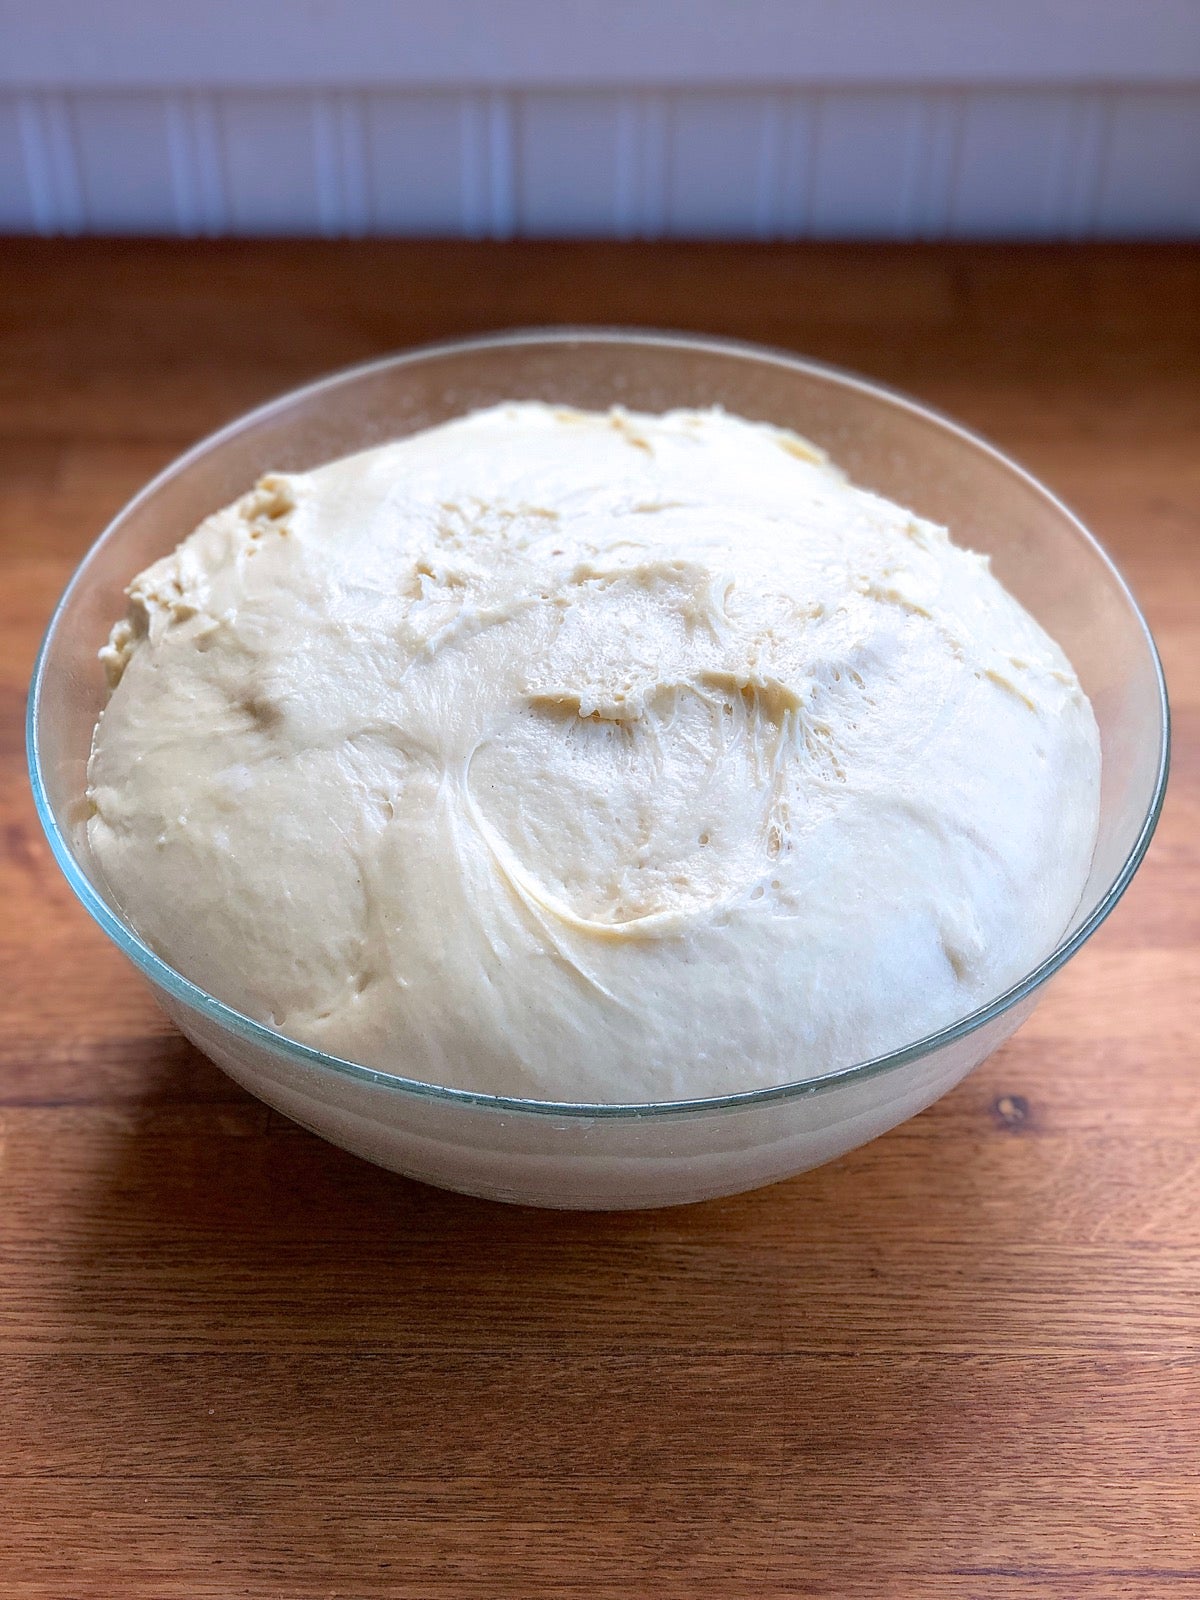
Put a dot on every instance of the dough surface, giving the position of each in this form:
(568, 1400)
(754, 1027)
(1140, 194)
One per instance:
(598, 757)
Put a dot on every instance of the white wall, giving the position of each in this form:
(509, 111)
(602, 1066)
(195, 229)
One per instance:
(746, 118)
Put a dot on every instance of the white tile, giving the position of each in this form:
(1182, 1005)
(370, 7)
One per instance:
(17, 211)
(797, 164)
(866, 148)
(269, 162)
(125, 175)
(569, 164)
(1015, 151)
(415, 165)
(500, 117)
(1083, 170)
(933, 165)
(196, 153)
(350, 127)
(46, 133)
(1151, 181)
(718, 164)
(652, 164)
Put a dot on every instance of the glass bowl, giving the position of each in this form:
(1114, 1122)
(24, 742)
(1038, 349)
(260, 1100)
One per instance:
(609, 1156)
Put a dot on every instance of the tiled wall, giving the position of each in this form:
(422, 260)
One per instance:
(893, 163)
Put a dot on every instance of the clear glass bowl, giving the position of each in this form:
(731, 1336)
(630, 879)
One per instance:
(619, 1155)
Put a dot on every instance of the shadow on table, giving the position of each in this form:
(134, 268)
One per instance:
(334, 1363)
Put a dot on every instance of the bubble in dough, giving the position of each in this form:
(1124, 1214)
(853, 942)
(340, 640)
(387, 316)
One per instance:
(592, 757)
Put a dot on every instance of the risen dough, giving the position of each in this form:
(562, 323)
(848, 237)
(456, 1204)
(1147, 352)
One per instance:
(590, 757)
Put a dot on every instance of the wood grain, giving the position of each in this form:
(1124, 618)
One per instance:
(964, 1361)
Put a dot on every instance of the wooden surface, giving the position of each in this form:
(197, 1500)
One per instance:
(964, 1361)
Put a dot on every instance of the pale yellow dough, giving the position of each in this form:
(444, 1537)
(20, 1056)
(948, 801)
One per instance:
(590, 757)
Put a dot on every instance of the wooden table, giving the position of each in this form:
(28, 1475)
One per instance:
(964, 1361)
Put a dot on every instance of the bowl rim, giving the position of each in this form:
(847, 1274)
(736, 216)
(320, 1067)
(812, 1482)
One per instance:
(181, 988)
